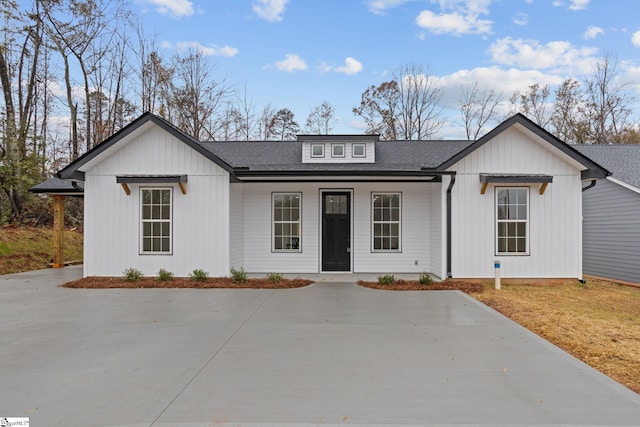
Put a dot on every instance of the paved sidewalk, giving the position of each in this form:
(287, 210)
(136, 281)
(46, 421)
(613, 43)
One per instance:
(325, 355)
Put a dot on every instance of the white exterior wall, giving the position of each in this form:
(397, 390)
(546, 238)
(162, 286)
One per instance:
(236, 221)
(200, 218)
(416, 228)
(555, 245)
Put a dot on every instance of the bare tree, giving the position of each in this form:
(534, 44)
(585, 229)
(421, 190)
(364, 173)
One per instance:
(197, 96)
(321, 119)
(378, 106)
(420, 113)
(77, 27)
(534, 103)
(407, 107)
(20, 52)
(569, 119)
(264, 122)
(609, 103)
(478, 106)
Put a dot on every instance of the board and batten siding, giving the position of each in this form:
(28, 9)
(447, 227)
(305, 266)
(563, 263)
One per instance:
(416, 228)
(611, 227)
(555, 239)
(236, 224)
(200, 218)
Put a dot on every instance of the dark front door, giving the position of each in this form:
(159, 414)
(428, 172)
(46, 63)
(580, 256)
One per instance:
(336, 231)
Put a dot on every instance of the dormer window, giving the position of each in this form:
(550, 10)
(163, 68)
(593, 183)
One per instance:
(337, 150)
(317, 150)
(358, 150)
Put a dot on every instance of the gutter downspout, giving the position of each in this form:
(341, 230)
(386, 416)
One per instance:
(449, 188)
(452, 174)
(593, 184)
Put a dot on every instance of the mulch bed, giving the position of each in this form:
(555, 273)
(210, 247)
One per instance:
(261, 283)
(179, 282)
(414, 285)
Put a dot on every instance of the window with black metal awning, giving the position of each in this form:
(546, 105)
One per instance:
(125, 180)
(487, 179)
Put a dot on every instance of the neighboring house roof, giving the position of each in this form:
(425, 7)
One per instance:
(284, 158)
(622, 160)
(57, 186)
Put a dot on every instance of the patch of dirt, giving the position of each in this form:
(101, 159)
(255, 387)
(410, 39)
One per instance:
(179, 282)
(414, 285)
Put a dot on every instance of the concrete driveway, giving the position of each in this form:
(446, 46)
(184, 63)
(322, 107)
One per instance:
(328, 354)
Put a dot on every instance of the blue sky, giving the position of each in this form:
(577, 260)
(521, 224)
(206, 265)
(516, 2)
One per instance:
(298, 53)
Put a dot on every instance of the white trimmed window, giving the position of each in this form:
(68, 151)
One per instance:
(287, 208)
(512, 221)
(386, 221)
(337, 150)
(317, 150)
(155, 216)
(358, 150)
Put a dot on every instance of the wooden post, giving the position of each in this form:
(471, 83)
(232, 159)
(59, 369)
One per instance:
(58, 231)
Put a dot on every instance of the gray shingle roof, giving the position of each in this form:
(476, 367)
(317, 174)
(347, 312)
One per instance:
(56, 186)
(623, 161)
(286, 155)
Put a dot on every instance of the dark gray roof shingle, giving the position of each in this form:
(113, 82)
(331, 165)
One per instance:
(287, 155)
(56, 186)
(623, 161)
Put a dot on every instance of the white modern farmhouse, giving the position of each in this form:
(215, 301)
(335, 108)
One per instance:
(157, 198)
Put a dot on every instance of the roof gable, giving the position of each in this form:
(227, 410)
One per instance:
(592, 169)
(75, 170)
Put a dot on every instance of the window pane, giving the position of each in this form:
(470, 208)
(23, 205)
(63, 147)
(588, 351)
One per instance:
(156, 220)
(511, 217)
(377, 243)
(502, 244)
(395, 243)
(286, 217)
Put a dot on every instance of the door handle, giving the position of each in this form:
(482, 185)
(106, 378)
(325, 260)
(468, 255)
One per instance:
(348, 250)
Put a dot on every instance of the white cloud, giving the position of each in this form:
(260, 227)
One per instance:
(351, 66)
(578, 4)
(270, 10)
(503, 81)
(212, 50)
(521, 19)
(173, 8)
(573, 4)
(635, 39)
(379, 7)
(292, 62)
(457, 17)
(555, 56)
(593, 32)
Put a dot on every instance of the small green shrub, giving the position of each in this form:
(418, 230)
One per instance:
(238, 276)
(387, 279)
(274, 277)
(425, 279)
(132, 275)
(164, 275)
(5, 249)
(199, 275)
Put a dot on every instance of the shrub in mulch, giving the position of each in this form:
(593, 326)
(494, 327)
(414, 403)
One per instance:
(415, 285)
(182, 282)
